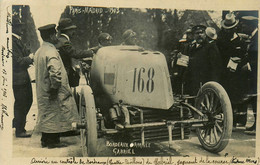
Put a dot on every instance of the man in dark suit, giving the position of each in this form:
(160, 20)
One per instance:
(204, 62)
(21, 82)
(68, 52)
(233, 49)
(249, 27)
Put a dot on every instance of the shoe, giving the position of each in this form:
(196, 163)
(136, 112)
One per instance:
(251, 128)
(56, 145)
(53, 145)
(43, 144)
(70, 133)
(23, 135)
(253, 132)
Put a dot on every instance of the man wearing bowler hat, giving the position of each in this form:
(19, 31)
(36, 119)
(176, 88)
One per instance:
(57, 109)
(22, 88)
(233, 49)
(68, 52)
(204, 62)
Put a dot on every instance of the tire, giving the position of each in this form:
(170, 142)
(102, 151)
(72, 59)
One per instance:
(214, 102)
(87, 112)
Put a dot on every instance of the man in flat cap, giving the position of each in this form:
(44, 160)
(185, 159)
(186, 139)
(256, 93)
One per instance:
(204, 63)
(129, 37)
(22, 59)
(57, 109)
(233, 49)
(68, 52)
(250, 27)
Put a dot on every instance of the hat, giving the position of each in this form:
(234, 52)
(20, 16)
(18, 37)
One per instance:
(211, 33)
(198, 27)
(104, 37)
(47, 29)
(66, 24)
(230, 21)
(250, 20)
(128, 34)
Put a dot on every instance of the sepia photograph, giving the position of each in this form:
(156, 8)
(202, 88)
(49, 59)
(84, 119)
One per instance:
(138, 83)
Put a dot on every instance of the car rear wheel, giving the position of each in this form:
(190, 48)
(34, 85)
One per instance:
(214, 103)
(88, 117)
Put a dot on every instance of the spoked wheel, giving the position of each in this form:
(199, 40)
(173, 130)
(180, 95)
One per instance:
(88, 117)
(214, 102)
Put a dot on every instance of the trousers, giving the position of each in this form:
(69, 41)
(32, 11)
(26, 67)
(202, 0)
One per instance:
(50, 138)
(22, 104)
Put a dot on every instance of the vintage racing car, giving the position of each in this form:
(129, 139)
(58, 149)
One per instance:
(130, 91)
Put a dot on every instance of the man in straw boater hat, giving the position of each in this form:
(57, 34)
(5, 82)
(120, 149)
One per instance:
(233, 49)
(57, 109)
(69, 54)
(211, 34)
(22, 89)
(204, 63)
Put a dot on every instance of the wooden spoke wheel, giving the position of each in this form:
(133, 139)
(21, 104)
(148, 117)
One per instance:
(214, 103)
(88, 117)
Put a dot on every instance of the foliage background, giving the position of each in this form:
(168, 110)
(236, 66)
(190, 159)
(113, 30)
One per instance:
(29, 37)
(157, 29)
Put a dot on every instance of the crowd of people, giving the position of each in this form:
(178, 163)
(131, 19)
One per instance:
(229, 57)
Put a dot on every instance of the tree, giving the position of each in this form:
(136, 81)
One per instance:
(29, 36)
(157, 29)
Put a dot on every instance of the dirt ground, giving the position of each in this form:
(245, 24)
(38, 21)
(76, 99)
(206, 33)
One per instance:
(240, 144)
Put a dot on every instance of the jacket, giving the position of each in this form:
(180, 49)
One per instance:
(68, 55)
(54, 115)
(21, 61)
(204, 65)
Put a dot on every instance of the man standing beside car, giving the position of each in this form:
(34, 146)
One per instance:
(57, 109)
(69, 54)
(250, 27)
(22, 89)
(233, 49)
(204, 62)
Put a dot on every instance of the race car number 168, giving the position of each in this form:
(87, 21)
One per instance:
(140, 84)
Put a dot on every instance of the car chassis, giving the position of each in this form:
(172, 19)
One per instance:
(212, 118)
